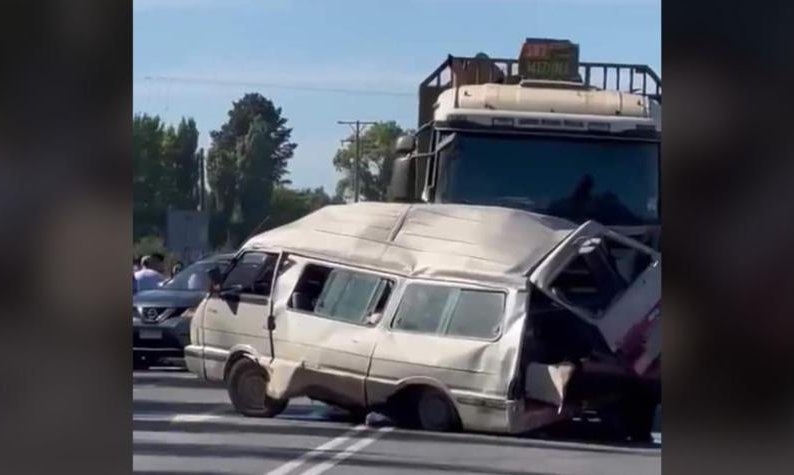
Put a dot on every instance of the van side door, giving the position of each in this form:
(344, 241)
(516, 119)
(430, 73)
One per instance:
(236, 314)
(331, 318)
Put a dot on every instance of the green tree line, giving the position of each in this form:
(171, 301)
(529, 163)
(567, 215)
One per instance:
(246, 186)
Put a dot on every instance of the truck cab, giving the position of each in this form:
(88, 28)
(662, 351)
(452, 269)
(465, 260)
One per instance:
(543, 133)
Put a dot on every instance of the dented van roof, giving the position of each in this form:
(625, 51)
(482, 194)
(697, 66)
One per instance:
(483, 244)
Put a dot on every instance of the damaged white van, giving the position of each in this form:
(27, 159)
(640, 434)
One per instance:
(444, 317)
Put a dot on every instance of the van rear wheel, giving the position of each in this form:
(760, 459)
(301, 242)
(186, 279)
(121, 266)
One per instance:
(435, 412)
(247, 387)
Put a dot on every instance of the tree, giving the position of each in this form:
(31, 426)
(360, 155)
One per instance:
(375, 168)
(242, 115)
(255, 164)
(147, 174)
(289, 205)
(248, 157)
(165, 171)
(182, 165)
(222, 180)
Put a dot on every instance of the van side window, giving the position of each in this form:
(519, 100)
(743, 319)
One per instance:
(339, 294)
(422, 308)
(253, 272)
(452, 311)
(477, 314)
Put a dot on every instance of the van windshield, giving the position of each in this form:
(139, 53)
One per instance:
(615, 182)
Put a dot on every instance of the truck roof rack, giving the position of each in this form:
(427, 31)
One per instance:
(470, 70)
(462, 70)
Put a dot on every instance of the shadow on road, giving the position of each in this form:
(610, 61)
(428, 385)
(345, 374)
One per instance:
(168, 381)
(405, 435)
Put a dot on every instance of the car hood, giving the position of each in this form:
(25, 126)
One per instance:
(167, 298)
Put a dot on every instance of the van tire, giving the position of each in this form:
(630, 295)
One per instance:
(247, 384)
(434, 412)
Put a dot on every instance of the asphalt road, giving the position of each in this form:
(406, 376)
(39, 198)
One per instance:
(182, 425)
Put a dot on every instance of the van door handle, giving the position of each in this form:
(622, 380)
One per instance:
(211, 310)
(355, 340)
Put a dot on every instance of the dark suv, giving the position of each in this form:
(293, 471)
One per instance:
(161, 317)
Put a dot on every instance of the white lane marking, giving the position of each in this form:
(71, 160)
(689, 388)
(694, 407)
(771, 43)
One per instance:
(195, 417)
(170, 417)
(306, 456)
(153, 417)
(340, 456)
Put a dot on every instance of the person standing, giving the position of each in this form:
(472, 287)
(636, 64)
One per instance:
(150, 276)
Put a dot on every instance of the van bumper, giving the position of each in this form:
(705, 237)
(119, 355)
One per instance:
(194, 360)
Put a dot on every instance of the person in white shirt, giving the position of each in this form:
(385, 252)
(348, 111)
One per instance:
(149, 276)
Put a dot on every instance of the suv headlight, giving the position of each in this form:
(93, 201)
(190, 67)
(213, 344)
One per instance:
(189, 312)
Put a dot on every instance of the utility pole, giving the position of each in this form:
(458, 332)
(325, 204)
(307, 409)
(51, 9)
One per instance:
(357, 160)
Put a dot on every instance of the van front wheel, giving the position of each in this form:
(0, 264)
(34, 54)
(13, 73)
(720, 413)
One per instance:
(435, 412)
(247, 385)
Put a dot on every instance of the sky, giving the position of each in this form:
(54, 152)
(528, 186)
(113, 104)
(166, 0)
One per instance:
(323, 61)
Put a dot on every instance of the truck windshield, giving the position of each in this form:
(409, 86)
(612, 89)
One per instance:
(615, 182)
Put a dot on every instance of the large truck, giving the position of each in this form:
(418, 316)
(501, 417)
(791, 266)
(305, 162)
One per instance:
(544, 132)
(555, 136)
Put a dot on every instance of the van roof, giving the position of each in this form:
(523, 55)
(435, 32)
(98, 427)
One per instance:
(484, 244)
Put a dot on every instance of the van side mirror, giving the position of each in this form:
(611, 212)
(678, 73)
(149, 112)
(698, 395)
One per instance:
(405, 144)
(216, 278)
(401, 185)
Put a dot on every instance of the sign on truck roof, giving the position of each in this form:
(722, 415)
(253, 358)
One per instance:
(549, 59)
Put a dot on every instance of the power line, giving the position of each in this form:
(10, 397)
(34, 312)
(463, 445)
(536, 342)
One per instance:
(356, 168)
(223, 82)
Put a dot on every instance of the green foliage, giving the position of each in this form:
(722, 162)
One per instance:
(165, 171)
(181, 164)
(248, 157)
(149, 245)
(147, 166)
(246, 170)
(375, 168)
(289, 205)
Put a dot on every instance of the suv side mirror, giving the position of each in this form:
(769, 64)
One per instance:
(405, 144)
(401, 185)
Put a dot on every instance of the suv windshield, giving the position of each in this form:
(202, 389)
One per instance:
(615, 182)
(194, 276)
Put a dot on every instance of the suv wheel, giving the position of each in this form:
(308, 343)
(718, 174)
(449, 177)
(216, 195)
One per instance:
(140, 363)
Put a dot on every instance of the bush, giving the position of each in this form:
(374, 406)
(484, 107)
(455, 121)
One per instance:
(149, 245)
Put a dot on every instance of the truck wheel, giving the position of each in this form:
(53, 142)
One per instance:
(247, 384)
(641, 422)
(631, 421)
(435, 412)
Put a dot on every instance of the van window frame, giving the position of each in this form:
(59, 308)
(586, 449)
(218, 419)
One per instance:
(306, 261)
(455, 285)
(246, 294)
